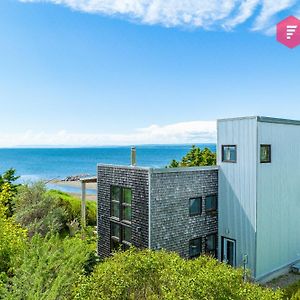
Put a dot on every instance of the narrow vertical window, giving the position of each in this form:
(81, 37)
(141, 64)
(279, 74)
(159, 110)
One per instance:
(211, 245)
(120, 213)
(195, 206)
(265, 153)
(229, 153)
(211, 203)
(195, 247)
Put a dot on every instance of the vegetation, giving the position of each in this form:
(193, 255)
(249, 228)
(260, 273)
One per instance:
(160, 275)
(195, 157)
(293, 291)
(72, 206)
(38, 260)
(50, 267)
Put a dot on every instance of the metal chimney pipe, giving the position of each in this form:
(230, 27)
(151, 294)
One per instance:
(133, 156)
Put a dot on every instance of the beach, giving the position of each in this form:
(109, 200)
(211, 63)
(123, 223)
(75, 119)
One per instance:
(74, 188)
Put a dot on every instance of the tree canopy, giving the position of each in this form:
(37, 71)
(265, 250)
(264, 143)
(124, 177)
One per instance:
(195, 157)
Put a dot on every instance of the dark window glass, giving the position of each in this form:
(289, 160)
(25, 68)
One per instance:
(116, 193)
(127, 213)
(127, 195)
(195, 206)
(121, 199)
(211, 203)
(265, 153)
(115, 230)
(211, 244)
(229, 153)
(195, 247)
(126, 234)
(115, 209)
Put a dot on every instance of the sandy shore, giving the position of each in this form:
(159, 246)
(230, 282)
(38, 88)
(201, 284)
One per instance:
(76, 184)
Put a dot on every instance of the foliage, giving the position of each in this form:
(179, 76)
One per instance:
(72, 206)
(160, 275)
(8, 190)
(12, 241)
(38, 211)
(292, 291)
(50, 267)
(195, 157)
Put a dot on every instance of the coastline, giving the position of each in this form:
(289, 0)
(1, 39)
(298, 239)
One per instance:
(74, 186)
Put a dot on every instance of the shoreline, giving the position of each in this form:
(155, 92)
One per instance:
(76, 185)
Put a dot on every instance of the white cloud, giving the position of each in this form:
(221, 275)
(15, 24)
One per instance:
(205, 14)
(185, 132)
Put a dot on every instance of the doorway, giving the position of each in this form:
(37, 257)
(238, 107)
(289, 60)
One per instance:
(229, 251)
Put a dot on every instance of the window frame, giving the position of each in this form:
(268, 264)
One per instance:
(229, 161)
(211, 210)
(270, 153)
(191, 240)
(120, 221)
(212, 251)
(201, 210)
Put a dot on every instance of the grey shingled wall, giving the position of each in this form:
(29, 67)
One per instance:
(131, 177)
(171, 225)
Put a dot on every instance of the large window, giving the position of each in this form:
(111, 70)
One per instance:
(195, 205)
(195, 247)
(229, 153)
(265, 153)
(211, 203)
(120, 212)
(211, 245)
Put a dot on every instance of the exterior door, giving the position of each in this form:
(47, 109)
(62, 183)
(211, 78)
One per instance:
(229, 251)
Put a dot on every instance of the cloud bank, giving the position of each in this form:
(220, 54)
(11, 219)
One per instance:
(179, 133)
(205, 14)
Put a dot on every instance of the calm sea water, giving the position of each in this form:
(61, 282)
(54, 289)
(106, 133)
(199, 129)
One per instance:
(41, 163)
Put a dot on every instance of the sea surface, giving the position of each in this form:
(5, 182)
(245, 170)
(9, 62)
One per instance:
(34, 164)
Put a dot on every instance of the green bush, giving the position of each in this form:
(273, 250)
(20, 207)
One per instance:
(292, 291)
(160, 275)
(50, 267)
(72, 206)
(38, 211)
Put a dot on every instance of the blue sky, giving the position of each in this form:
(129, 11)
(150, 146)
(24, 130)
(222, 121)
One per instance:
(115, 72)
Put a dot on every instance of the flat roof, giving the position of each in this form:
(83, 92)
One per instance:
(265, 120)
(162, 170)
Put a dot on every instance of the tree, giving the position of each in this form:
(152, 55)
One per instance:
(158, 275)
(8, 190)
(195, 157)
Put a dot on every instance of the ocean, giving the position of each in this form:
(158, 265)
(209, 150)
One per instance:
(48, 163)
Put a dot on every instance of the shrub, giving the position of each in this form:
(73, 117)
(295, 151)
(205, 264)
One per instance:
(12, 241)
(38, 211)
(72, 206)
(160, 275)
(50, 267)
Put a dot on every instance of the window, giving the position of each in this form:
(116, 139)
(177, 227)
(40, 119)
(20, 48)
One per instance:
(211, 203)
(229, 153)
(211, 244)
(195, 206)
(265, 153)
(120, 212)
(195, 247)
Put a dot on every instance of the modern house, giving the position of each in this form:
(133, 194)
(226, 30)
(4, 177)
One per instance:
(244, 211)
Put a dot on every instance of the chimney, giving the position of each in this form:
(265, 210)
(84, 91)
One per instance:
(133, 156)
